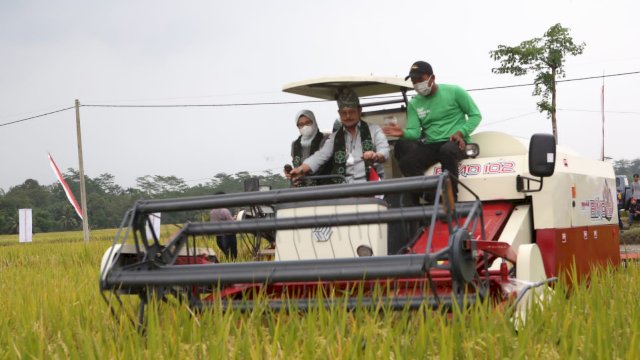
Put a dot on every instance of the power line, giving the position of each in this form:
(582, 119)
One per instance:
(37, 116)
(205, 105)
(557, 81)
(483, 124)
(606, 111)
(290, 102)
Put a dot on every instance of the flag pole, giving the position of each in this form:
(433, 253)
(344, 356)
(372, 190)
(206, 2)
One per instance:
(602, 110)
(83, 192)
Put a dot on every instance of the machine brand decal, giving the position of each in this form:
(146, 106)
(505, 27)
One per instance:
(322, 233)
(600, 206)
(496, 167)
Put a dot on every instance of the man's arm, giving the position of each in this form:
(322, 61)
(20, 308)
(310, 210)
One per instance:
(413, 130)
(380, 142)
(469, 108)
(320, 157)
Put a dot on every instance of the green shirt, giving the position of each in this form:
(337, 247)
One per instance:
(441, 114)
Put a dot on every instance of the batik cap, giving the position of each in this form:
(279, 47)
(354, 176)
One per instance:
(347, 98)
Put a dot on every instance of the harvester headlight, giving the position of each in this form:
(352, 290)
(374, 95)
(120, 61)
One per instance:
(364, 250)
(472, 150)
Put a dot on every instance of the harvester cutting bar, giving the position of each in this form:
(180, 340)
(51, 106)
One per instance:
(365, 268)
(256, 198)
(393, 303)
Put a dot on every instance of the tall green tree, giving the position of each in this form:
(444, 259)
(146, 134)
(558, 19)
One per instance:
(545, 58)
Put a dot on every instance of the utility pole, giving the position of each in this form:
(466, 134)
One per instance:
(602, 109)
(83, 190)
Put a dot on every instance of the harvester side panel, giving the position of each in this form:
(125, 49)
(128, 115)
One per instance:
(580, 193)
(495, 217)
(587, 246)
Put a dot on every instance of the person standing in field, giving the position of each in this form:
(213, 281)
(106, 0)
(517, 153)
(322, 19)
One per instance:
(228, 243)
(635, 186)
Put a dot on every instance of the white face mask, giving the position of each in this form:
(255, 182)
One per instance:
(423, 88)
(306, 131)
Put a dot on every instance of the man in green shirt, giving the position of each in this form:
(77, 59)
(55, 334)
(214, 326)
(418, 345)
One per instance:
(440, 120)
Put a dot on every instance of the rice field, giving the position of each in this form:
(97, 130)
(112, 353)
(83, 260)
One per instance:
(51, 308)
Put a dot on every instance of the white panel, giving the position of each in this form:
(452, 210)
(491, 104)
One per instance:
(26, 231)
(155, 222)
(331, 242)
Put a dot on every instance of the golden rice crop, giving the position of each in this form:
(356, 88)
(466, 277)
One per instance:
(51, 308)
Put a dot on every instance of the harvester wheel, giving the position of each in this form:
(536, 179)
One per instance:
(462, 261)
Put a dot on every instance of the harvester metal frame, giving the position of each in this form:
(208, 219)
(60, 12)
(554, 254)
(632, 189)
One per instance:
(152, 270)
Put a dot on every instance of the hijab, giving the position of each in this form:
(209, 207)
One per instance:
(305, 140)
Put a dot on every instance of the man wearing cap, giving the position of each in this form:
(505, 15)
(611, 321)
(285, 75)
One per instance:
(353, 148)
(440, 120)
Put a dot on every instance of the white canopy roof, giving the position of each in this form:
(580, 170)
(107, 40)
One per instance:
(326, 88)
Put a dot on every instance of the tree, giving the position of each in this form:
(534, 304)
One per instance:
(107, 183)
(158, 184)
(543, 56)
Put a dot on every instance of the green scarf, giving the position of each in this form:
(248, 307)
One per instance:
(297, 148)
(340, 150)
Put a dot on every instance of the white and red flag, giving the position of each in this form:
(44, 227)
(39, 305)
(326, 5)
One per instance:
(67, 191)
(373, 176)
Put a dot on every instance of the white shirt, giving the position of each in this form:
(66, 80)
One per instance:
(355, 172)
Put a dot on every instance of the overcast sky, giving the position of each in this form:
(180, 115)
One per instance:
(222, 52)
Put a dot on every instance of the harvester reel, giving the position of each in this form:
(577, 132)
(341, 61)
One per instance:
(461, 259)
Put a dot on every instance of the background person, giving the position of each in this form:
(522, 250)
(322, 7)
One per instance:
(353, 148)
(228, 243)
(635, 186)
(634, 210)
(440, 120)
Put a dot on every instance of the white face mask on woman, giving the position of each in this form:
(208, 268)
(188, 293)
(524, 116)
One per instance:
(423, 88)
(306, 131)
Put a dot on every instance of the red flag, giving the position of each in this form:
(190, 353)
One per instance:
(67, 191)
(373, 174)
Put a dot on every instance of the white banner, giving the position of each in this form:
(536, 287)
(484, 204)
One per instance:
(155, 222)
(26, 233)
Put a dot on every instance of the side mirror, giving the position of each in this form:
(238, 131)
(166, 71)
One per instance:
(542, 155)
(542, 162)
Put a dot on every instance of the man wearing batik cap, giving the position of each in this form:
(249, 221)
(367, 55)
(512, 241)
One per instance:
(440, 120)
(353, 148)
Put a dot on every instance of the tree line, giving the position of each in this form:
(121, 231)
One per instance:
(107, 201)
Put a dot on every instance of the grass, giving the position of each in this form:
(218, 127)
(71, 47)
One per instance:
(629, 235)
(51, 308)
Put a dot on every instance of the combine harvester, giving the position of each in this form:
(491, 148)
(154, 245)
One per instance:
(526, 212)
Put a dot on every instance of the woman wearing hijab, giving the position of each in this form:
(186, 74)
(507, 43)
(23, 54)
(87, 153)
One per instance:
(309, 141)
